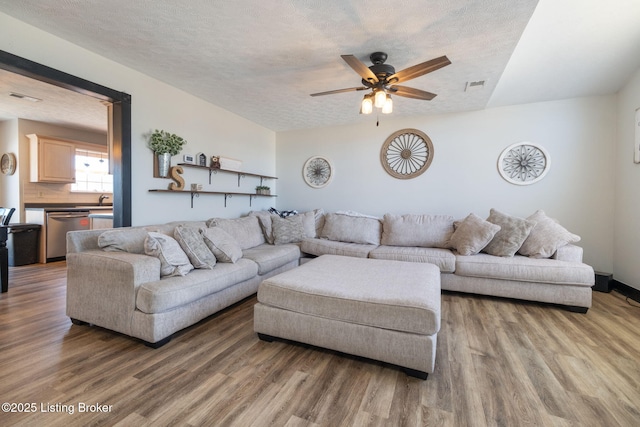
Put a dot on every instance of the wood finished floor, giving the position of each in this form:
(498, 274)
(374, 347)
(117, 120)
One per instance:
(499, 363)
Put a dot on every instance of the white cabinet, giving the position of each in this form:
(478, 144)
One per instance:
(52, 159)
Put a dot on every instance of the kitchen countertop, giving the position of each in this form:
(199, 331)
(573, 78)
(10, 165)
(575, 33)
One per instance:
(105, 215)
(61, 207)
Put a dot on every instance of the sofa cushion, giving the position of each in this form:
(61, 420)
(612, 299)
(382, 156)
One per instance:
(524, 269)
(288, 230)
(269, 257)
(352, 229)
(545, 237)
(223, 246)
(379, 293)
(193, 245)
(245, 230)
(265, 221)
(428, 231)
(442, 258)
(173, 260)
(173, 292)
(329, 247)
(127, 239)
(472, 234)
(513, 232)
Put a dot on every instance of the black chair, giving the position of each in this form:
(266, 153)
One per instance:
(5, 215)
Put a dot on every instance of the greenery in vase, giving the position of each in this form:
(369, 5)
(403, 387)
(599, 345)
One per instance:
(162, 142)
(263, 188)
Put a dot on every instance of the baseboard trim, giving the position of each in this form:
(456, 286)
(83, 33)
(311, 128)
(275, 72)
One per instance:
(626, 290)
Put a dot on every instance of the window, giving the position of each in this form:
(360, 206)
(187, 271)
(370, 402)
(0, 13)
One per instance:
(92, 171)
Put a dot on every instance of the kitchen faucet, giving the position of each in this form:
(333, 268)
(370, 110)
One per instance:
(101, 199)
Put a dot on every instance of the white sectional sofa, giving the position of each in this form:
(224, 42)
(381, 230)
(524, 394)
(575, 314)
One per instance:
(116, 281)
(150, 282)
(551, 270)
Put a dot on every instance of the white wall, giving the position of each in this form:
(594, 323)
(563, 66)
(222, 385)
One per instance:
(10, 184)
(627, 184)
(579, 135)
(207, 128)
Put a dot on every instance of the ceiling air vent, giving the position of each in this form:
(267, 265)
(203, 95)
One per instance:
(474, 85)
(25, 97)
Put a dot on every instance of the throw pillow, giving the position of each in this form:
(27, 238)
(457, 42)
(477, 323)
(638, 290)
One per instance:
(513, 232)
(123, 240)
(222, 244)
(264, 218)
(288, 230)
(546, 237)
(173, 260)
(193, 245)
(472, 234)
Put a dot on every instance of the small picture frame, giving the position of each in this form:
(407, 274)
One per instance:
(188, 158)
(201, 159)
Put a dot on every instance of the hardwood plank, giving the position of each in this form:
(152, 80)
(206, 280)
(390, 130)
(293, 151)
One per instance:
(499, 362)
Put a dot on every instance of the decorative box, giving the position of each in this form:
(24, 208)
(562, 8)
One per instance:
(230, 164)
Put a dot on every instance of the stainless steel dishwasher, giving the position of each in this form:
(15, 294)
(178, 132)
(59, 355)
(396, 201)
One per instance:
(58, 224)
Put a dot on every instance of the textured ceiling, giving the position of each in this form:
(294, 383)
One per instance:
(262, 59)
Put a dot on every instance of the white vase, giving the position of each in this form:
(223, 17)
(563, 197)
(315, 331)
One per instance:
(164, 164)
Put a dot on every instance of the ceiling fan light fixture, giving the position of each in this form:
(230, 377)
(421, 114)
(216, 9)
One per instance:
(380, 98)
(387, 108)
(367, 104)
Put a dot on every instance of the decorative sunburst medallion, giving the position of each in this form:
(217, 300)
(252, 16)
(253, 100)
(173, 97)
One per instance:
(317, 172)
(524, 163)
(406, 154)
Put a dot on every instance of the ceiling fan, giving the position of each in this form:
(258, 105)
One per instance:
(382, 79)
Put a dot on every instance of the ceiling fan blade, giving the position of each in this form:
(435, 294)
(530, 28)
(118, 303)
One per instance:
(330, 92)
(360, 68)
(409, 92)
(418, 70)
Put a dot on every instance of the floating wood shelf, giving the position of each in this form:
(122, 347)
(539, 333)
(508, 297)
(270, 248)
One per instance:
(216, 170)
(227, 194)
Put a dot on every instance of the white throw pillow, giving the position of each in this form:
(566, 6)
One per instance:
(546, 237)
(472, 234)
(173, 260)
(513, 232)
(222, 244)
(193, 245)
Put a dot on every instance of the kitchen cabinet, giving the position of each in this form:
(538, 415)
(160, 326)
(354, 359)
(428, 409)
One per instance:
(52, 159)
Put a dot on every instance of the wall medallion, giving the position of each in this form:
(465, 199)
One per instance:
(317, 172)
(524, 163)
(406, 153)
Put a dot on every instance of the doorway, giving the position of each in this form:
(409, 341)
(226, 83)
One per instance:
(119, 124)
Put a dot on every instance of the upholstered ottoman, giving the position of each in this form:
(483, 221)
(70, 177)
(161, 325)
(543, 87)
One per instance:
(378, 309)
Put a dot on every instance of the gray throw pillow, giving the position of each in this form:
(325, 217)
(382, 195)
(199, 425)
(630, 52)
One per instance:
(546, 237)
(222, 244)
(289, 230)
(513, 232)
(472, 234)
(193, 245)
(173, 260)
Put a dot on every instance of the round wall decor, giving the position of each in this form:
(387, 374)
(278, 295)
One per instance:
(317, 171)
(8, 163)
(406, 153)
(524, 163)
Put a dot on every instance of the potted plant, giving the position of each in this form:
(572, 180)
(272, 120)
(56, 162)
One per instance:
(165, 145)
(263, 190)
